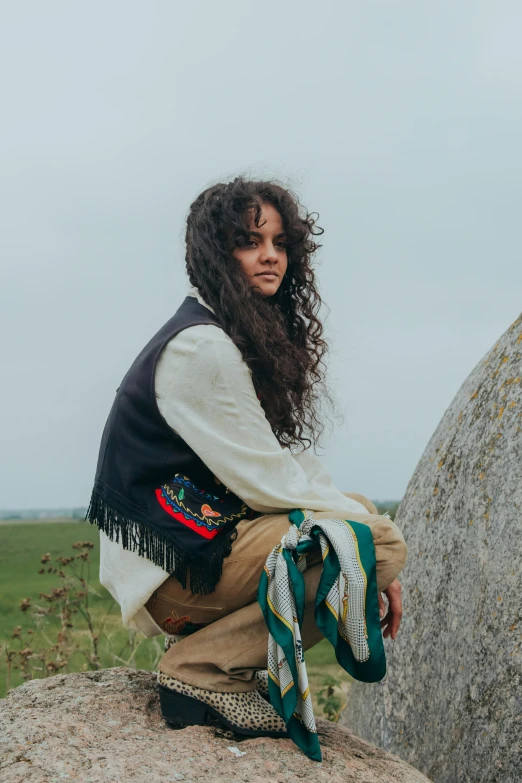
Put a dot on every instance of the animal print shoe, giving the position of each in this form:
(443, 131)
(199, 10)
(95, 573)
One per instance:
(261, 677)
(171, 639)
(244, 713)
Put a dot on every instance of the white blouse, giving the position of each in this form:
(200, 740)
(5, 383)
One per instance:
(205, 393)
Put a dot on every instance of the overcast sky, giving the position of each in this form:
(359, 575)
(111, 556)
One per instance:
(400, 122)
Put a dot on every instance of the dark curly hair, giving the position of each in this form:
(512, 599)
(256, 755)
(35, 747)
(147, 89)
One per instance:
(279, 337)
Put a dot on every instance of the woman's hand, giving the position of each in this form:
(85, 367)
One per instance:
(392, 619)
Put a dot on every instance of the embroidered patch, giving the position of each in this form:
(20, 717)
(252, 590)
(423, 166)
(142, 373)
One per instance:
(174, 624)
(201, 511)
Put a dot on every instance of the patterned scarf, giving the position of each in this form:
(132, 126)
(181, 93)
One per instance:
(346, 611)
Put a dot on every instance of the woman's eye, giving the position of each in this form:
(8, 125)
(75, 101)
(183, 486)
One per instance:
(243, 242)
(250, 243)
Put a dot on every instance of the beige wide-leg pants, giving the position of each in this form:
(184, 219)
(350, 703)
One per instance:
(233, 641)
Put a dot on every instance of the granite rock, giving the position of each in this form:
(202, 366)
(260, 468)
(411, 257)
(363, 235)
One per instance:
(106, 726)
(451, 703)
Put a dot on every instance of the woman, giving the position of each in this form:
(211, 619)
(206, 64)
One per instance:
(207, 449)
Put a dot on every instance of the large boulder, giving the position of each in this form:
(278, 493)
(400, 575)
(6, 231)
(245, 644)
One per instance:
(106, 726)
(452, 701)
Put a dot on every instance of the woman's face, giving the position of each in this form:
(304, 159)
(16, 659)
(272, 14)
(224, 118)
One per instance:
(262, 255)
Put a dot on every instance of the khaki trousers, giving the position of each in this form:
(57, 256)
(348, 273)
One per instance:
(232, 642)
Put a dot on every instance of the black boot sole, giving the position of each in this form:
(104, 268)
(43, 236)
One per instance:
(180, 710)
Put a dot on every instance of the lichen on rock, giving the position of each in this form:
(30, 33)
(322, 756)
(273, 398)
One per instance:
(452, 701)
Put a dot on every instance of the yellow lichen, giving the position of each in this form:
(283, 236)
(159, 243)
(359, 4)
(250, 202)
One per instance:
(500, 413)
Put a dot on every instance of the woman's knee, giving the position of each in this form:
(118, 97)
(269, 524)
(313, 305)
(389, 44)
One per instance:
(391, 551)
(390, 547)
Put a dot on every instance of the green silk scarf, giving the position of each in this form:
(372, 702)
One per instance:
(346, 612)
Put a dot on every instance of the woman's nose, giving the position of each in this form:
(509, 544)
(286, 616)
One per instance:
(269, 253)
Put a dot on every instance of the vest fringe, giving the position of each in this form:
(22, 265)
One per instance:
(203, 573)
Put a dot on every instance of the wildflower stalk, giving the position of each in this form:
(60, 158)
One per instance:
(53, 641)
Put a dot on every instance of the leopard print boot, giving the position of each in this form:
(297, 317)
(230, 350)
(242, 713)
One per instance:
(260, 677)
(171, 639)
(243, 713)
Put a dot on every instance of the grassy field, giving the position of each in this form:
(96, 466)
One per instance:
(22, 545)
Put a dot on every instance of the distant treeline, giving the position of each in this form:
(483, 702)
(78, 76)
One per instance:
(383, 506)
(390, 506)
(44, 513)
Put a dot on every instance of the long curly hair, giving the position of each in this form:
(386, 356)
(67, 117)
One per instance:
(279, 337)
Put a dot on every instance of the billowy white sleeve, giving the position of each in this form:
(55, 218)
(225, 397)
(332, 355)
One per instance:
(205, 393)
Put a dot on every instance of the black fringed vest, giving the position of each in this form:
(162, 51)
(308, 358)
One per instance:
(151, 489)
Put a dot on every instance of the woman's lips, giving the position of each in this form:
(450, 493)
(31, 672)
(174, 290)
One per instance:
(267, 274)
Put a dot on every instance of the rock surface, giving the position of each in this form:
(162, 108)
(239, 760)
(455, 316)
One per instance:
(452, 701)
(106, 726)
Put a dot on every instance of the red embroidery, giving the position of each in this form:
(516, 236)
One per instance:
(174, 625)
(182, 500)
(182, 518)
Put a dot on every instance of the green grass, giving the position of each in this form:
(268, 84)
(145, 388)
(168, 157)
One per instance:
(390, 506)
(21, 548)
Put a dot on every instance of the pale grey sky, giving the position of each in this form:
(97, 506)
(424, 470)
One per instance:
(399, 122)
